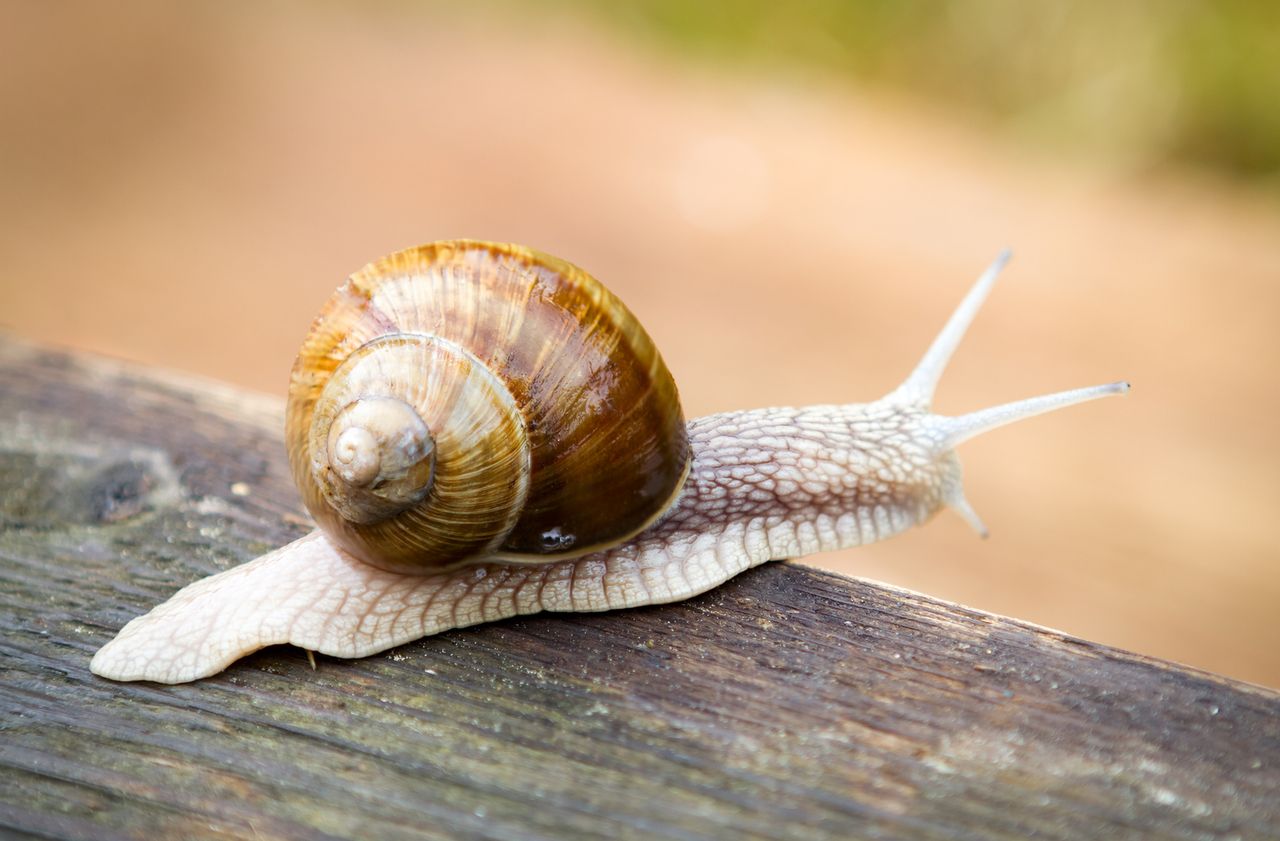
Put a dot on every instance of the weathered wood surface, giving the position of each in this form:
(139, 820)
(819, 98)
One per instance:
(789, 703)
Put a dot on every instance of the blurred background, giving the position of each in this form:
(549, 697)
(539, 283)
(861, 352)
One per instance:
(791, 197)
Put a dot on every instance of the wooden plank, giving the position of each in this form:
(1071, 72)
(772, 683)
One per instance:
(788, 704)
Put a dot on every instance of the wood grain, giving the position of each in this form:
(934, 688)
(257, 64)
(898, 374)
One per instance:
(788, 704)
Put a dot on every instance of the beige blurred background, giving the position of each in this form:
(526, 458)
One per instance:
(792, 206)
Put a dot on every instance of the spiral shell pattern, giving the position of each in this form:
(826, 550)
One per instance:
(467, 400)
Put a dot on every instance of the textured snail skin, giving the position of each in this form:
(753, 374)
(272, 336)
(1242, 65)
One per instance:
(763, 484)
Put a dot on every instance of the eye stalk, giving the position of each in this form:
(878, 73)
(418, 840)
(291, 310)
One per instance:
(939, 434)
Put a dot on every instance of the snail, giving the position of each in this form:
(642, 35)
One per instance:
(482, 431)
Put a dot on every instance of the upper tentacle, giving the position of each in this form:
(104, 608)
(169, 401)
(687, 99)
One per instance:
(917, 390)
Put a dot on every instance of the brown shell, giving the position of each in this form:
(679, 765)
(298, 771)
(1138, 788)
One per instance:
(603, 448)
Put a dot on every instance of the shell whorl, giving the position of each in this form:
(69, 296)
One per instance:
(418, 450)
(375, 459)
(468, 400)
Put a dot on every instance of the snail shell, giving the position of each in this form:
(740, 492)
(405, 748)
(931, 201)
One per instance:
(466, 400)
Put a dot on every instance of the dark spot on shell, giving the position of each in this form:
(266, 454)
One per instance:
(554, 540)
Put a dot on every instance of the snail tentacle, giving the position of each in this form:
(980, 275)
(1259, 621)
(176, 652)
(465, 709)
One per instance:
(917, 389)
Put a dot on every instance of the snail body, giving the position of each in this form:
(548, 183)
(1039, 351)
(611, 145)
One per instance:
(483, 431)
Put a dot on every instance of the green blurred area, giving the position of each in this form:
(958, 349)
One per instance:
(1140, 83)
